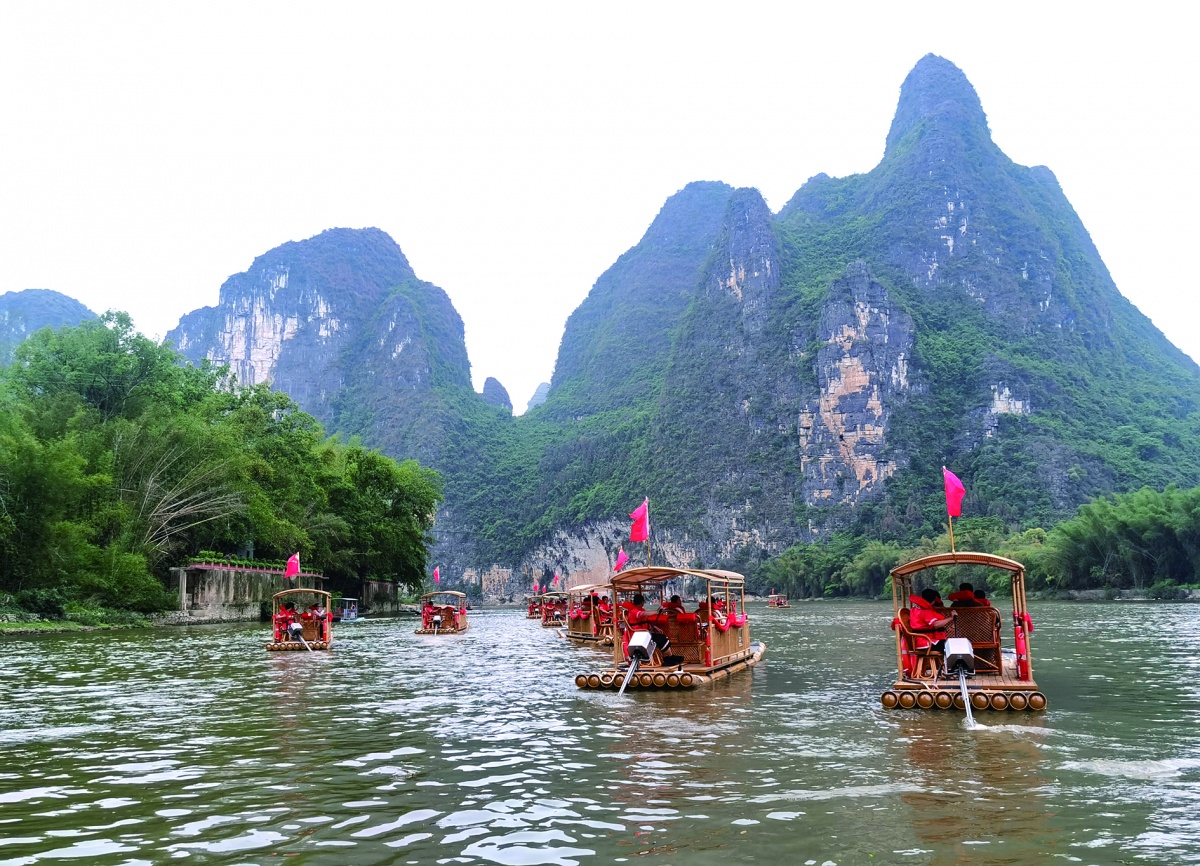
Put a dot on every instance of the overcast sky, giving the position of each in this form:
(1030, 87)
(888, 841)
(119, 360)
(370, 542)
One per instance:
(515, 150)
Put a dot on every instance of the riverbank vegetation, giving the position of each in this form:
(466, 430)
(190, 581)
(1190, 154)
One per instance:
(118, 462)
(1147, 541)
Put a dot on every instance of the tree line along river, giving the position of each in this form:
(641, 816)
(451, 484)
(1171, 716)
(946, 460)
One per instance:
(143, 747)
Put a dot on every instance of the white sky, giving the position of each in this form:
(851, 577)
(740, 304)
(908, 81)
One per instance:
(515, 150)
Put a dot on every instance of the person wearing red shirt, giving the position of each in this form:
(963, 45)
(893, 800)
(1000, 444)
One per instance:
(964, 597)
(927, 621)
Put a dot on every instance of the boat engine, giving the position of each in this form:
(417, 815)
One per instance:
(960, 656)
(641, 646)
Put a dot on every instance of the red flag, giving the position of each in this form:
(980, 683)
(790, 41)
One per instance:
(640, 531)
(555, 581)
(437, 575)
(535, 586)
(954, 493)
(293, 566)
(621, 560)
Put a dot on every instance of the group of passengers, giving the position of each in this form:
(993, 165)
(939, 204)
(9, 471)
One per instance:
(931, 618)
(448, 612)
(289, 624)
(636, 613)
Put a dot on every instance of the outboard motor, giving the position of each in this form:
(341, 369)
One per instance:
(641, 649)
(960, 656)
(960, 659)
(436, 619)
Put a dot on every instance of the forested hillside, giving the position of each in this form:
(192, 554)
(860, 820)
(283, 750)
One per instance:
(116, 462)
(773, 382)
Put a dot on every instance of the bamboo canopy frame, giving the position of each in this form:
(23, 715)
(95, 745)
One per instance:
(903, 579)
(314, 643)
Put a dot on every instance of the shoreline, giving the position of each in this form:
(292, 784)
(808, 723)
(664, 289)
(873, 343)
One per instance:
(173, 619)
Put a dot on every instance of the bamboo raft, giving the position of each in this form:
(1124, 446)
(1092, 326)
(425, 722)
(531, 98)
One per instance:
(587, 620)
(443, 612)
(1003, 678)
(701, 647)
(316, 622)
(554, 609)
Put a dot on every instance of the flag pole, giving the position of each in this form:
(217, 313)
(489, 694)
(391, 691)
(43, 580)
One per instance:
(951, 519)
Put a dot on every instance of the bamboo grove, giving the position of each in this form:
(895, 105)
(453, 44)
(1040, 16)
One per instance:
(117, 462)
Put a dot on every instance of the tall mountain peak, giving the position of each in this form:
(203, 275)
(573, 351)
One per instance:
(936, 98)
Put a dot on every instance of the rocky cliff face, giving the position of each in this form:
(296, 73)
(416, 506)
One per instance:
(22, 313)
(290, 319)
(763, 378)
(342, 324)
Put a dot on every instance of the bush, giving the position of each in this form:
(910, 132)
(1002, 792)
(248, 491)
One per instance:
(1165, 590)
(48, 603)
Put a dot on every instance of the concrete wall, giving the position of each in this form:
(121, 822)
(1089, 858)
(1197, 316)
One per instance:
(228, 594)
(219, 594)
(378, 597)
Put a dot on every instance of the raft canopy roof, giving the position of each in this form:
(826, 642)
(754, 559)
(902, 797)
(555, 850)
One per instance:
(656, 575)
(452, 592)
(553, 595)
(301, 590)
(588, 588)
(937, 560)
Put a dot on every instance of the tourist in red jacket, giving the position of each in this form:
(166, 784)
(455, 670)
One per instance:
(930, 623)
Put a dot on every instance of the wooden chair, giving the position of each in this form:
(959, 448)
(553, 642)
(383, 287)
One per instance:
(981, 626)
(929, 660)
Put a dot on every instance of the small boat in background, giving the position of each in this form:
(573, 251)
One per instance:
(589, 614)
(533, 606)
(554, 609)
(778, 599)
(443, 612)
(964, 659)
(347, 611)
(302, 621)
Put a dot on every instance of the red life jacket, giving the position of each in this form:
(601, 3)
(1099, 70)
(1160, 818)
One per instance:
(921, 618)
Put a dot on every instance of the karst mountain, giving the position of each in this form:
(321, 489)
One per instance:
(764, 378)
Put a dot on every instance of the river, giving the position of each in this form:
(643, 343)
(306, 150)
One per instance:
(196, 745)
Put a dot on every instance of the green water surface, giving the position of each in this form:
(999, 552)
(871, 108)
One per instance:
(196, 745)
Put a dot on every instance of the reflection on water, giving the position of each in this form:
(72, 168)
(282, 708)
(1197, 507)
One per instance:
(144, 747)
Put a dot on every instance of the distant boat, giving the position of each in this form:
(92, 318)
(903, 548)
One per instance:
(533, 606)
(305, 628)
(443, 612)
(589, 622)
(554, 609)
(347, 611)
(778, 599)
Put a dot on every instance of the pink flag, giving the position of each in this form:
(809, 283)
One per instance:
(535, 586)
(555, 581)
(621, 560)
(293, 566)
(954, 493)
(640, 531)
(437, 575)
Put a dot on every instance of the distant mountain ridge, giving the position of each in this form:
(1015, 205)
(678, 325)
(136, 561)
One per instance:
(764, 378)
(23, 312)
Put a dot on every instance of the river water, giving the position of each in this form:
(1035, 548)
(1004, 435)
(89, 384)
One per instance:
(197, 745)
